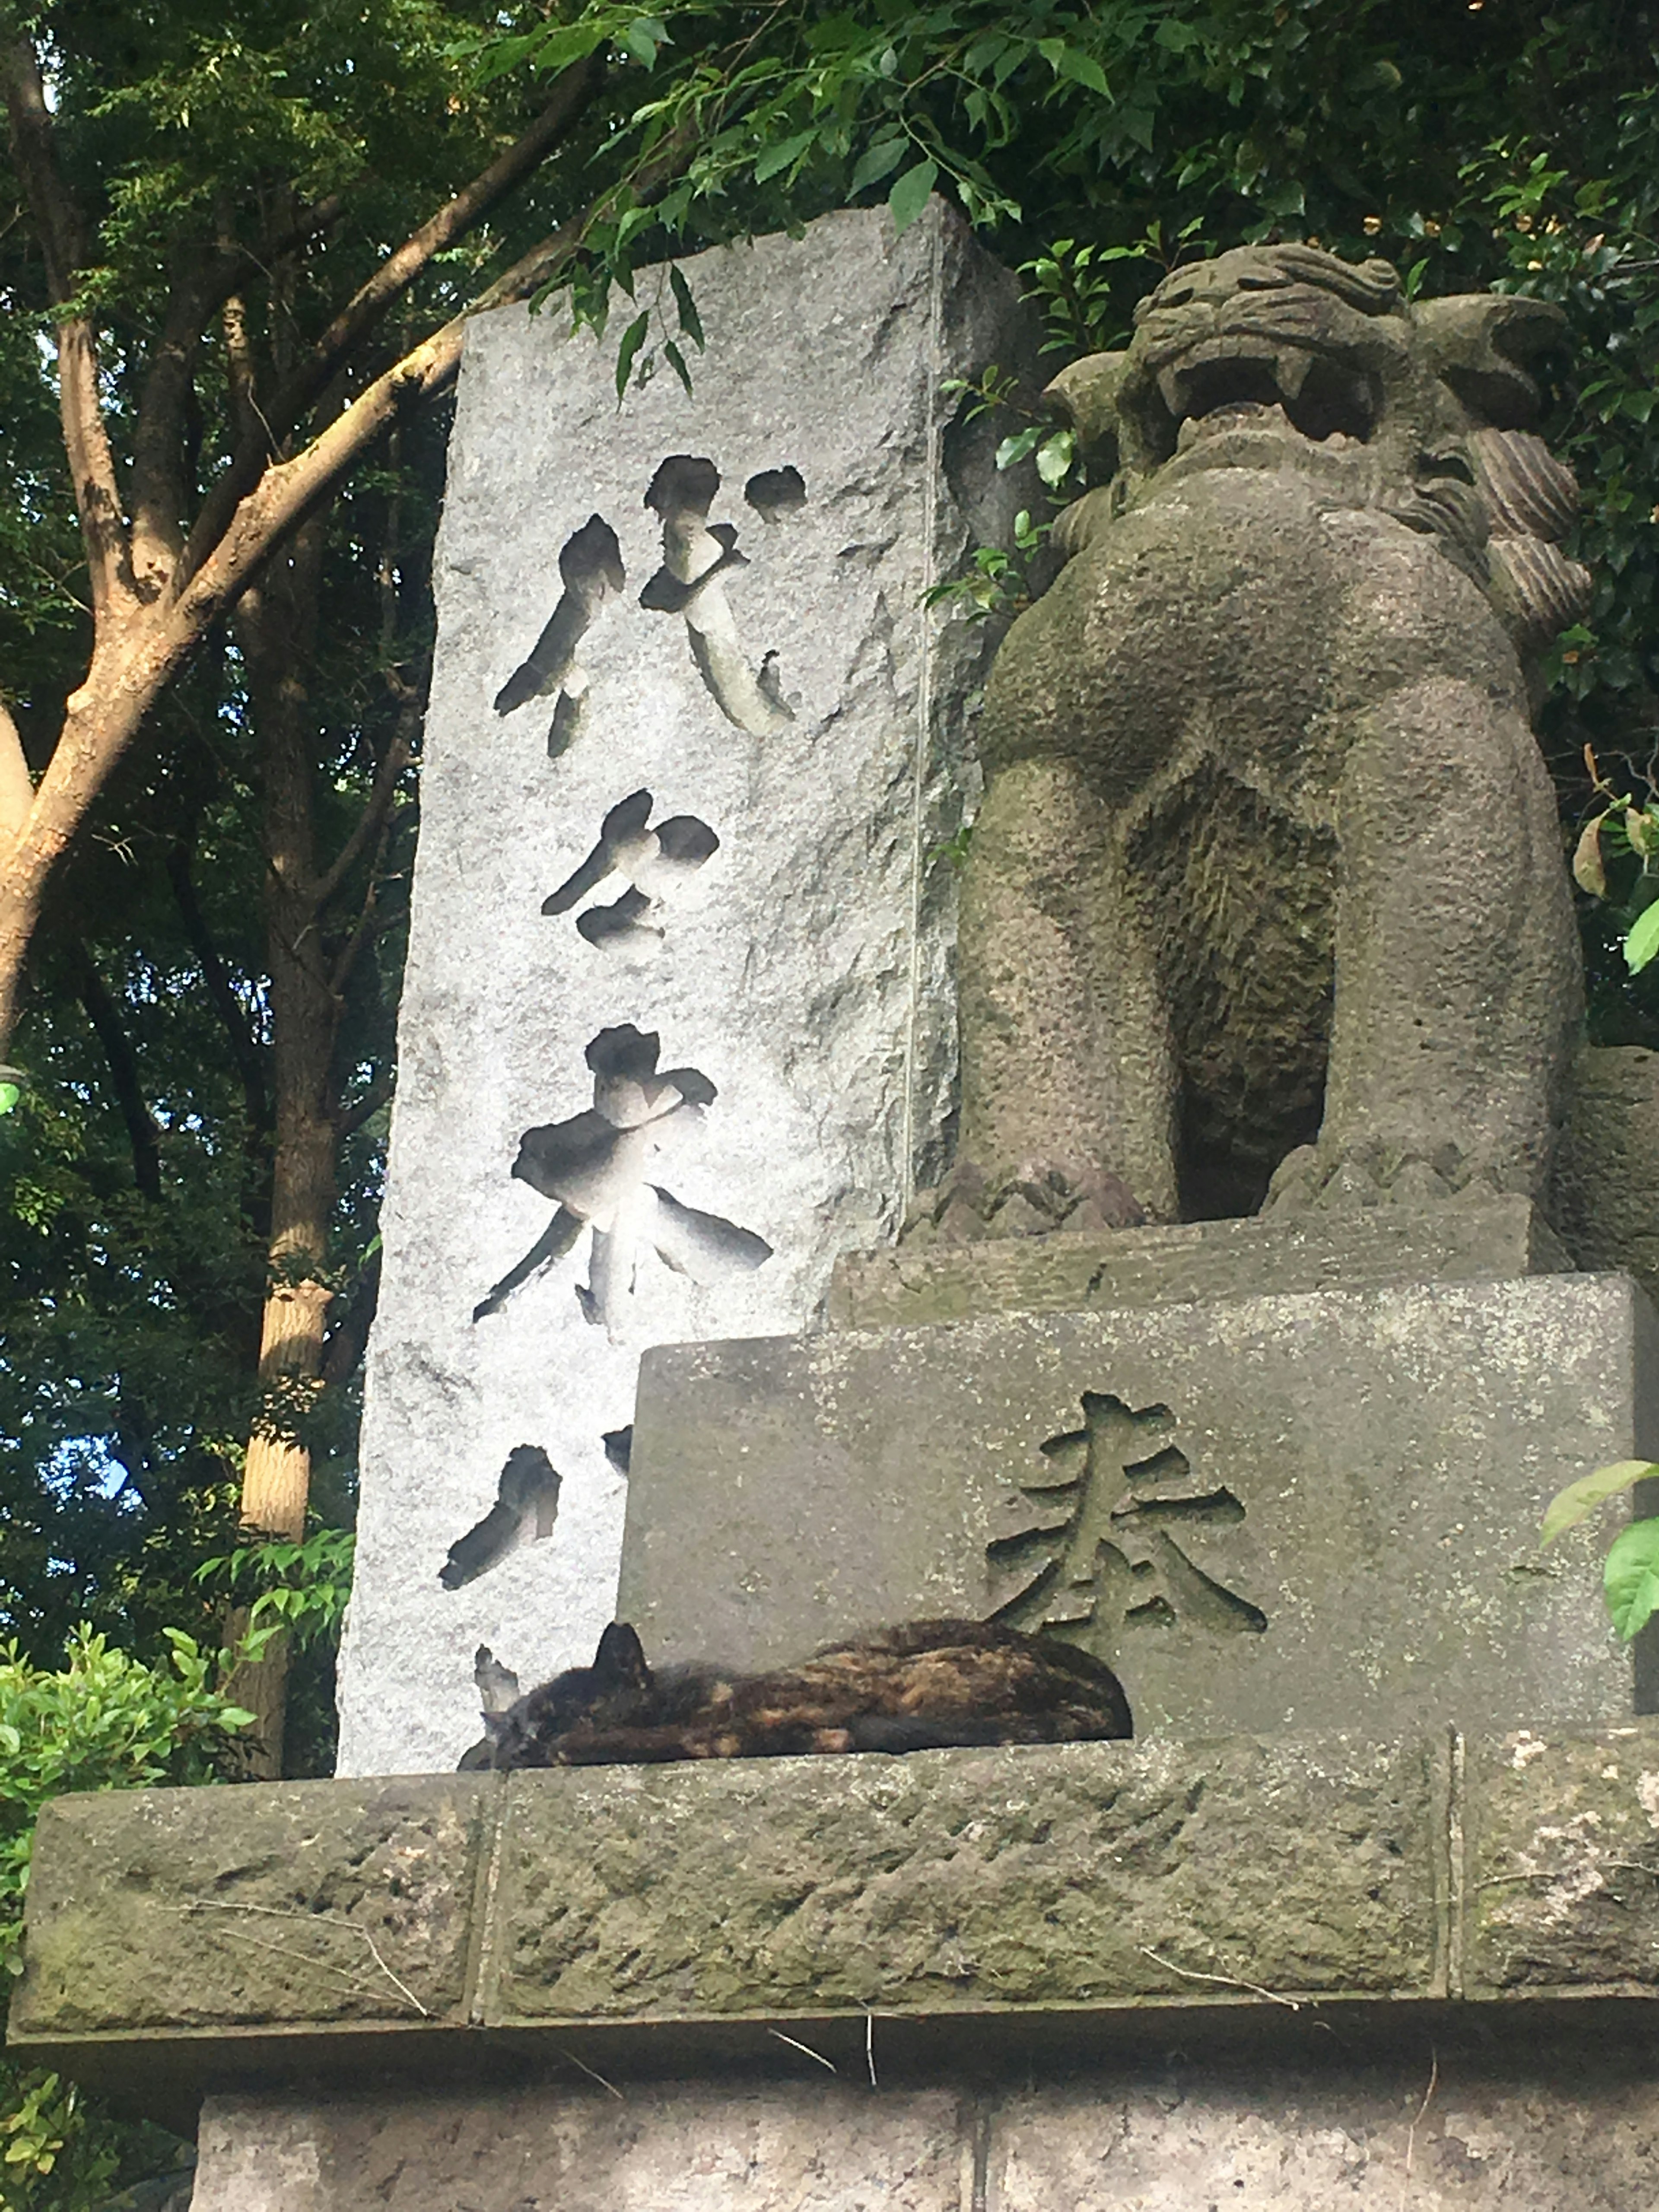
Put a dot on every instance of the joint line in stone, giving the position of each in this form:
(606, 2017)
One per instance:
(1456, 1878)
(924, 720)
(486, 1883)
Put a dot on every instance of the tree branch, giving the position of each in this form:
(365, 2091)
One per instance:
(156, 487)
(97, 494)
(290, 490)
(573, 90)
(16, 784)
(244, 1051)
(343, 1346)
(393, 762)
(349, 1119)
(102, 1011)
(204, 281)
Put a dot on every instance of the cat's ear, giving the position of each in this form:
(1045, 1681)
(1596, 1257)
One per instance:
(619, 1662)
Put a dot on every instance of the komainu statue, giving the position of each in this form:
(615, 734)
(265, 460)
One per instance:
(1266, 902)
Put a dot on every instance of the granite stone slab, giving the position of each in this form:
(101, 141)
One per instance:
(1438, 2130)
(1039, 1898)
(1439, 2125)
(804, 712)
(672, 2149)
(1313, 1512)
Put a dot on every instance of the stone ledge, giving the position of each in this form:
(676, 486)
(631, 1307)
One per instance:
(351, 1928)
(312, 1904)
(1469, 1240)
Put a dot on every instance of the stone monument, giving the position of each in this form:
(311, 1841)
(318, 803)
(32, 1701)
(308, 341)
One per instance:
(676, 1026)
(1264, 903)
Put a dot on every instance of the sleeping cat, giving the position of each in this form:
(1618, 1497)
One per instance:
(920, 1687)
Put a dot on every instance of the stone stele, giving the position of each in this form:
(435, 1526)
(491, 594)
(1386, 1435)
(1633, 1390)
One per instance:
(679, 936)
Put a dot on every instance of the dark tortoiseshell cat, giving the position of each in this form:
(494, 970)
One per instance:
(926, 1685)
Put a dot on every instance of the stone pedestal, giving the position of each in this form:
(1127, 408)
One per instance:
(709, 819)
(1294, 1970)
(1433, 2126)
(1312, 1510)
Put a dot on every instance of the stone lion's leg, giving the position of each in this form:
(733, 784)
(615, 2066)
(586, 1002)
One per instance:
(1066, 1064)
(1458, 989)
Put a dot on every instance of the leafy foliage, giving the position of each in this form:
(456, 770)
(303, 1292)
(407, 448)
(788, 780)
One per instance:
(1630, 1578)
(101, 1721)
(300, 1587)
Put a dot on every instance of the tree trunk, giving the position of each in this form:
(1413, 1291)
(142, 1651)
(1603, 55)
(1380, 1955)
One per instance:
(277, 627)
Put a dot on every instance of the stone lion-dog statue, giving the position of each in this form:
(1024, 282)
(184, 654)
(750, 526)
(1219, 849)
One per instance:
(1265, 903)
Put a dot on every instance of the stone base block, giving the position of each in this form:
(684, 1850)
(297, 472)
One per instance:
(1034, 1899)
(1303, 1512)
(653, 2149)
(1438, 2127)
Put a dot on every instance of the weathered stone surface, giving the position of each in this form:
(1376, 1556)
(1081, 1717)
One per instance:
(1000, 1907)
(801, 969)
(1605, 1200)
(1562, 1864)
(830, 2148)
(1440, 2133)
(1365, 1470)
(1219, 906)
(312, 1902)
(1437, 2125)
(1053, 1875)
(1480, 1240)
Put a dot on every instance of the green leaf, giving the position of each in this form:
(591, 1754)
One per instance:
(909, 195)
(676, 360)
(1081, 68)
(633, 339)
(643, 39)
(9, 1094)
(1587, 871)
(1580, 1499)
(1631, 1577)
(1054, 458)
(1018, 444)
(781, 155)
(690, 321)
(1642, 942)
(878, 161)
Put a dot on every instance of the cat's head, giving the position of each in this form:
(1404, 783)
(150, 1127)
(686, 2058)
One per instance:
(614, 1691)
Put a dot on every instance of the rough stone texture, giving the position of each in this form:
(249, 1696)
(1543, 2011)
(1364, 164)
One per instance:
(1002, 1908)
(1435, 2128)
(1365, 1468)
(1221, 754)
(1562, 1864)
(1073, 1272)
(1576, 2137)
(832, 2149)
(312, 1902)
(803, 970)
(1045, 1876)
(1605, 1200)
